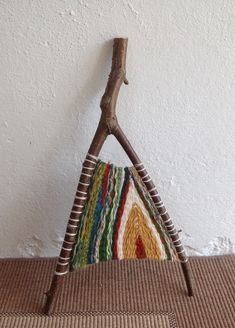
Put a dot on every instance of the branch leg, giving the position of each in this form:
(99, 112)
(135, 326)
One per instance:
(52, 294)
(172, 232)
(63, 262)
(187, 277)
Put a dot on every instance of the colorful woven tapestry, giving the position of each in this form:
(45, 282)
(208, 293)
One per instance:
(119, 220)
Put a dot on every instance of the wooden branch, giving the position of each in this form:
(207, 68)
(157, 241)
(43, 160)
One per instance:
(117, 76)
(108, 121)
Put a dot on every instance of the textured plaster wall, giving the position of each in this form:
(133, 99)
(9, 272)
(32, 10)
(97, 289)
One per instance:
(178, 111)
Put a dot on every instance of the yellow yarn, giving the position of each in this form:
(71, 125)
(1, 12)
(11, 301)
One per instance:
(136, 226)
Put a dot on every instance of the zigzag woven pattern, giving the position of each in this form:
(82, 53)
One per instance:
(119, 220)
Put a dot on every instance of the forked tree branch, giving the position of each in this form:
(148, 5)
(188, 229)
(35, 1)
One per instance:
(108, 121)
(108, 124)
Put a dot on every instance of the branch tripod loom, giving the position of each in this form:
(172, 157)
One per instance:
(108, 124)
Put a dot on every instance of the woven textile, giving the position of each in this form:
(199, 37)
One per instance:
(119, 220)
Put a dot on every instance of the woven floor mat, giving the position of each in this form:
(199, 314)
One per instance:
(130, 286)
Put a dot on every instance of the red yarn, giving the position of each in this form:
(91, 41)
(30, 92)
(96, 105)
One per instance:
(115, 250)
(140, 251)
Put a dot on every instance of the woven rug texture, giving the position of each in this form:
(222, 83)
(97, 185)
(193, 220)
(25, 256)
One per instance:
(126, 286)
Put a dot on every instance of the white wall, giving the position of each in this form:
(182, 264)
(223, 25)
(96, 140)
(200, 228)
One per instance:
(178, 111)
